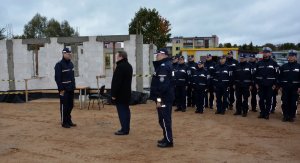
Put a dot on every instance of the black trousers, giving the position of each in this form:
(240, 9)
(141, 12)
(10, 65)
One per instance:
(124, 116)
(253, 97)
(231, 95)
(289, 101)
(265, 94)
(165, 121)
(242, 94)
(274, 100)
(200, 99)
(66, 107)
(190, 96)
(180, 94)
(222, 99)
(209, 97)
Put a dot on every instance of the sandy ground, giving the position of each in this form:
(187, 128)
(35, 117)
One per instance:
(31, 132)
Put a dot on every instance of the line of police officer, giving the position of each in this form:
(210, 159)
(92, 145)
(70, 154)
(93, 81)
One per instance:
(197, 82)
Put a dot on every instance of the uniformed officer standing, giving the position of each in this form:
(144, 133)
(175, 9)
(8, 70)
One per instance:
(210, 66)
(275, 93)
(190, 93)
(266, 76)
(289, 80)
(181, 82)
(222, 80)
(65, 80)
(200, 83)
(231, 62)
(175, 67)
(252, 61)
(162, 92)
(243, 80)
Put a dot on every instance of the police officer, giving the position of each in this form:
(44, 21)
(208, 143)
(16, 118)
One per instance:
(231, 62)
(210, 66)
(181, 82)
(243, 80)
(200, 84)
(175, 66)
(65, 80)
(252, 61)
(162, 92)
(190, 93)
(222, 80)
(289, 81)
(266, 76)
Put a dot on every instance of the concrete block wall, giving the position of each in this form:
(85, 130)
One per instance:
(91, 63)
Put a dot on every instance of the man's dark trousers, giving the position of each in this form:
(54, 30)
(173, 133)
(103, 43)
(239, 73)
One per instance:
(165, 121)
(66, 107)
(124, 116)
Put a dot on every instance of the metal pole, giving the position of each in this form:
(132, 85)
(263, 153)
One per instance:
(26, 90)
(114, 56)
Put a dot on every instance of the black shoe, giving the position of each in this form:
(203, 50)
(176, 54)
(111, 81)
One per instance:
(121, 133)
(244, 115)
(217, 112)
(260, 116)
(178, 109)
(291, 120)
(183, 110)
(165, 145)
(65, 126)
(267, 117)
(206, 106)
(72, 124)
(161, 141)
(222, 113)
(237, 113)
(285, 119)
(230, 108)
(254, 110)
(197, 111)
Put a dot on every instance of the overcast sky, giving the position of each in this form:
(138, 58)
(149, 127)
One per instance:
(235, 21)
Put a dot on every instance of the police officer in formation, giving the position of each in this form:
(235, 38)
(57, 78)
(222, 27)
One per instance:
(190, 93)
(210, 66)
(252, 61)
(275, 93)
(231, 62)
(162, 92)
(266, 75)
(243, 81)
(289, 81)
(181, 82)
(65, 80)
(175, 65)
(200, 84)
(222, 81)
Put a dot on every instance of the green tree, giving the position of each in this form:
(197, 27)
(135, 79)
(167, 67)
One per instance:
(2, 35)
(227, 45)
(39, 27)
(154, 28)
(221, 45)
(287, 46)
(53, 28)
(36, 27)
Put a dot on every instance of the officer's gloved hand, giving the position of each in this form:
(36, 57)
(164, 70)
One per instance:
(113, 100)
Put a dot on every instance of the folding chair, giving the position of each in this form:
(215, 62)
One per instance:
(99, 97)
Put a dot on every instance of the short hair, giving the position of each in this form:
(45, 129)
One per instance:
(122, 54)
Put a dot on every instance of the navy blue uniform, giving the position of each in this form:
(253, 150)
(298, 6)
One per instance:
(266, 75)
(253, 90)
(222, 80)
(65, 80)
(289, 81)
(210, 66)
(162, 86)
(181, 81)
(243, 80)
(200, 84)
(190, 93)
(175, 67)
(232, 63)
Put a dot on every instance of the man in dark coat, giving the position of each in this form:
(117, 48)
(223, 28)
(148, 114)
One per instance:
(121, 91)
(65, 80)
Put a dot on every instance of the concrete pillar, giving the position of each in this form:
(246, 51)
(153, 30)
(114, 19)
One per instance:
(74, 49)
(10, 64)
(139, 63)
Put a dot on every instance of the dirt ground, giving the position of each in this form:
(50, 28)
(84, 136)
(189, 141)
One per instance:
(31, 132)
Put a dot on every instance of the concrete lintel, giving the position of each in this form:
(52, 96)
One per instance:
(70, 40)
(36, 41)
(113, 38)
